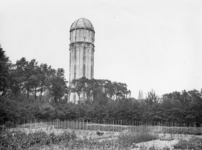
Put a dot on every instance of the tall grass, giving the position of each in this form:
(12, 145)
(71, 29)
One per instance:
(130, 138)
(192, 144)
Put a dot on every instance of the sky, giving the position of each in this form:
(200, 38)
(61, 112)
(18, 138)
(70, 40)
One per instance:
(147, 44)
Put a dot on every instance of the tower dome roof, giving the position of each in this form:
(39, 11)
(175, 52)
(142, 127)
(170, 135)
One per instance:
(82, 23)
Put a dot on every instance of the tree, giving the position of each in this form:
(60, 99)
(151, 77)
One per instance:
(4, 72)
(16, 80)
(57, 84)
(82, 86)
(19, 77)
(44, 78)
(46, 111)
(195, 105)
(151, 97)
(32, 81)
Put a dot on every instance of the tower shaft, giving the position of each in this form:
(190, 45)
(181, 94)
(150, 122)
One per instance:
(81, 51)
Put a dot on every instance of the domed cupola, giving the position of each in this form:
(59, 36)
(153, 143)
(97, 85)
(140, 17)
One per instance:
(82, 23)
(82, 30)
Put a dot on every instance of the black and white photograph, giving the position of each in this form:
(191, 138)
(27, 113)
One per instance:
(100, 75)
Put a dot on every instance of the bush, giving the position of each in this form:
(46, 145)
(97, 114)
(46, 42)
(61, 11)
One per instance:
(9, 124)
(14, 111)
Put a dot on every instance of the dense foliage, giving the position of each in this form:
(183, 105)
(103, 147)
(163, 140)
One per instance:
(19, 140)
(32, 91)
(4, 71)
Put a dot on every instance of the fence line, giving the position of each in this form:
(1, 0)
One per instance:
(113, 126)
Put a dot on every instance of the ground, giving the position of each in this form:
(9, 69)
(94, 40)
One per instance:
(164, 141)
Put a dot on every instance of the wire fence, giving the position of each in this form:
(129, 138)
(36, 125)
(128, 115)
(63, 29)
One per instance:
(113, 126)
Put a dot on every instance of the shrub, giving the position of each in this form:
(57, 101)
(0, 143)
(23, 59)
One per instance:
(9, 124)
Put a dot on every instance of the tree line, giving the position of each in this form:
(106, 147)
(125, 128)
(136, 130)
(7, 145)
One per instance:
(37, 91)
(27, 77)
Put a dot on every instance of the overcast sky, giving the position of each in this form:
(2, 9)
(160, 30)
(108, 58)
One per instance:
(147, 44)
